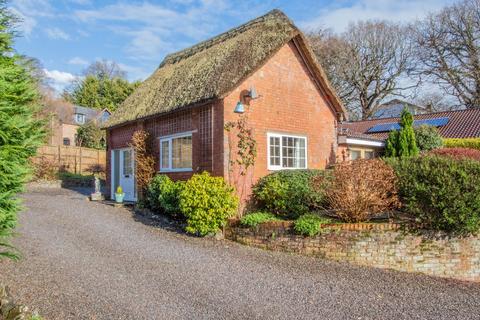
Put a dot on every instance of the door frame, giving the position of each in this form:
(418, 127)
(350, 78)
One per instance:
(112, 172)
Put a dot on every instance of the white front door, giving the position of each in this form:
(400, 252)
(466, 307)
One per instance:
(123, 172)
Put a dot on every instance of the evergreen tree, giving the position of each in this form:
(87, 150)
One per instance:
(407, 145)
(20, 131)
(103, 86)
(402, 143)
(391, 144)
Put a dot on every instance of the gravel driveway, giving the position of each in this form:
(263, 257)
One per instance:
(85, 260)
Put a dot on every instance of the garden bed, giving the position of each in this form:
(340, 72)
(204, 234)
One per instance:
(381, 245)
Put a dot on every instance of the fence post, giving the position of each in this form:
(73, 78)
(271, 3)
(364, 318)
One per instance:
(80, 169)
(59, 157)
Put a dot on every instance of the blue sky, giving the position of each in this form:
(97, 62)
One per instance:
(67, 35)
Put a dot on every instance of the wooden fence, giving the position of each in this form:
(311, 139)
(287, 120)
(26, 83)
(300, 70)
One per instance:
(73, 159)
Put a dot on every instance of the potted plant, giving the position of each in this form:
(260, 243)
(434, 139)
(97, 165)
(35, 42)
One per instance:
(119, 195)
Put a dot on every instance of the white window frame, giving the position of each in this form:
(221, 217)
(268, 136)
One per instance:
(287, 135)
(170, 161)
(80, 116)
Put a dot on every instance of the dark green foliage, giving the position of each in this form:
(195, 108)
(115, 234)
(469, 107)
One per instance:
(310, 224)
(428, 138)
(207, 202)
(391, 144)
(163, 195)
(90, 135)
(441, 192)
(289, 193)
(20, 132)
(255, 218)
(402, 143)
(100, 91)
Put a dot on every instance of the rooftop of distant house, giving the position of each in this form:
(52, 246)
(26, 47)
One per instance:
(450, 124)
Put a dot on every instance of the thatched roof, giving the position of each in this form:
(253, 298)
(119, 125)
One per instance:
(211, 69)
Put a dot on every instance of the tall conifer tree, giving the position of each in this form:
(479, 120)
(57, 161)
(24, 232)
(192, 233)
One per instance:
(20, 131)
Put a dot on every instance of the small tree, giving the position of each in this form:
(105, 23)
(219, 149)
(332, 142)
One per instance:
(90, 135)
(402, 143)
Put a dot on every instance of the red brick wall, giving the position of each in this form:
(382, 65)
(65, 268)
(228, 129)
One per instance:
(206, 122)
(291, 103)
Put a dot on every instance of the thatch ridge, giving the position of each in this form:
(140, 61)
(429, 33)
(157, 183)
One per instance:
(208, 70)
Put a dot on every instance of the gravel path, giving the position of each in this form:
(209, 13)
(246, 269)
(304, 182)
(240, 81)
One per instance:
(86, 260)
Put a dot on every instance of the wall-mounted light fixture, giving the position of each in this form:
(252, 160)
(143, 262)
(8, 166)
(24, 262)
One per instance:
(239, 108)
(250, 95)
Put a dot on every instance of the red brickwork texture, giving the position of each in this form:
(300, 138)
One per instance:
(290, 103)
(375, 245)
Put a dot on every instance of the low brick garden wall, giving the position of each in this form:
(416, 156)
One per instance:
(381, 245)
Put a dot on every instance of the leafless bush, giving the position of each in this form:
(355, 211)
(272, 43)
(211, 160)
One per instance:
(144, 161)
(45, 169)
(362, 189)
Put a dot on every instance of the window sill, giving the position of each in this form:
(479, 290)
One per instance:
(175, 170)
(278, 169)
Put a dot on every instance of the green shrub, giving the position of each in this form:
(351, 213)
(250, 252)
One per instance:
(255, 218)
(163, 195)
(207, 202)
(309, 224)
(289, 193)
(441, 192)
(428, 138)
(472, 143)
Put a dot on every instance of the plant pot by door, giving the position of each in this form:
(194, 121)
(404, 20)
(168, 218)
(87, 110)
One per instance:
(119, 197)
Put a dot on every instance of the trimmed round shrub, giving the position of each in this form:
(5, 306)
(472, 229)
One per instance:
(458, 153)
(362, 189)
(309, 224)
(472, 143)
(428, 138)
(441, 192)
(289, 193)
(255, 218)
(163, 194)
(207, 202)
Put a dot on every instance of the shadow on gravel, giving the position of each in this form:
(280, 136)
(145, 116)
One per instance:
(158, 221)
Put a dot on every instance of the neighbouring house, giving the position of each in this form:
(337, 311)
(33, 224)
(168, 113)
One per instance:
(366, 139)
(263, 71)
(394, 108)
(67, 118)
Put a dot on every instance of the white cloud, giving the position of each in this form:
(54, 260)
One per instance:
(78, 61)
(153, 28)
(338, 16)
(59, 79)
(57, 34)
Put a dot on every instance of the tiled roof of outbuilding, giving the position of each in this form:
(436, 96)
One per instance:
(461, 124)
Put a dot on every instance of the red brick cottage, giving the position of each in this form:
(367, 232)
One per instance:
(264, 67)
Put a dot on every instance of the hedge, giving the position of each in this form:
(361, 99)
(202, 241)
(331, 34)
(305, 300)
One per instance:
(472, 143)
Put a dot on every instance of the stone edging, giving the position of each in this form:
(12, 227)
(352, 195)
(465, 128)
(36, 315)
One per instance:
(381, 245)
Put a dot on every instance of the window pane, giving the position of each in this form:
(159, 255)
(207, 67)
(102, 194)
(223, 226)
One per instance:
(182, 153)
(369, 154)
(165, 154)
(274, 151)
(127, 162)
(293, 152)
(355, 154)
